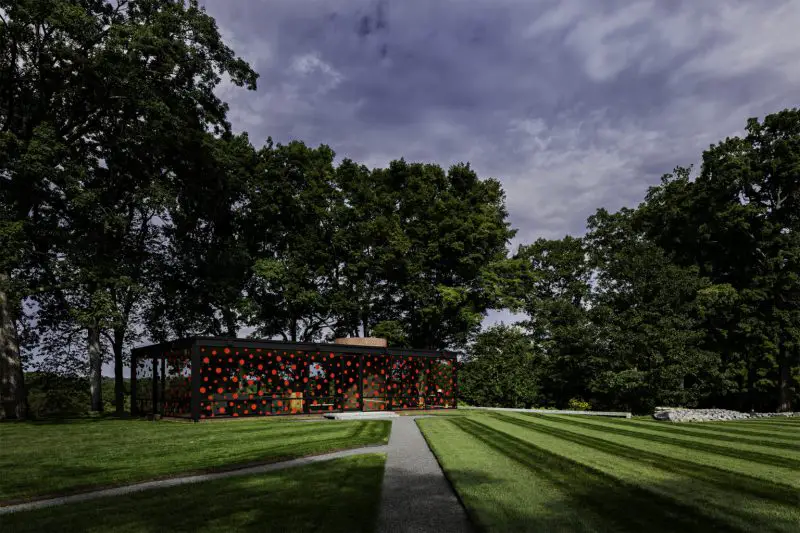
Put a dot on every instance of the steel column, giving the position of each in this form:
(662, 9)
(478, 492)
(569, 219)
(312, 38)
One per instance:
(134, 408)
(195, 381)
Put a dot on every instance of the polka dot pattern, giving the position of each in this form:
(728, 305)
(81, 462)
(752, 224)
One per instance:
(237, 382)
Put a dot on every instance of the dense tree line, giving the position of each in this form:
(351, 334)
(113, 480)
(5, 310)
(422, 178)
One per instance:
(692, 298)
(130, 211)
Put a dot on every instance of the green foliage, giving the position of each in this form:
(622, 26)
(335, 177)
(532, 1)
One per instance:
(58, 395)
(578, 404)
(502, 370)
(130, 210)
(691, 299)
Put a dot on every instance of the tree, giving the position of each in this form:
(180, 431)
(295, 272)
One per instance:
(106, 86)
(738, 224)
(555, 299)
(502, 369)
(649, 351)
(209, 242)
(294, 271)
(452, 244)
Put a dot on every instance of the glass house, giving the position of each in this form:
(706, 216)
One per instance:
(211, 377)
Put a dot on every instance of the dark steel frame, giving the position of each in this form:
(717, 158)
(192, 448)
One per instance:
(158, 353)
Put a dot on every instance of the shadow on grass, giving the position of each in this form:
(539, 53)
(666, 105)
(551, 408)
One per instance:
(747, 455)
(724, 479)
(771, 423)
(336, 496)
(51, 480)
(54, 421)
(725, 433)
(623, 506)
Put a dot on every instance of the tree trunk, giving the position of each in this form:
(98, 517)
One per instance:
(119, 380)
(12, 379)
(230, 324)
(784, 393)
(95, 368)
(365, 323)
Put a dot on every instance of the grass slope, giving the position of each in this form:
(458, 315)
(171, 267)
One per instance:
(519, 472)
(341, 495)
(38, 459)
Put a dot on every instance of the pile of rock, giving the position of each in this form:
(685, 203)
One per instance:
(678, 414)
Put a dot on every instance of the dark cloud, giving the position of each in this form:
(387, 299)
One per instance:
(573, 105)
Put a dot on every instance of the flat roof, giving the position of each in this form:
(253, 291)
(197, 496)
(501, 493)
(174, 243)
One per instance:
(232, 342)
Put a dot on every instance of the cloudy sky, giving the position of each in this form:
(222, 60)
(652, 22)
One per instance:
(572, 105)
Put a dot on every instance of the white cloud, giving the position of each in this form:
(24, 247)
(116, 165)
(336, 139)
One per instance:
(311, 63)
(725, 38)
(751, 38)
(569, 166)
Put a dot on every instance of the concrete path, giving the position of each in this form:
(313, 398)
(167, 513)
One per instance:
(173, 482)
(416, 496)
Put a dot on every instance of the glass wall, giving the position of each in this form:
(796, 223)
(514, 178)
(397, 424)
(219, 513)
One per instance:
(251, 381)
(176, 381)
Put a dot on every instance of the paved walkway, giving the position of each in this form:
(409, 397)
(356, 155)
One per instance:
(173, 482)
(416, 496)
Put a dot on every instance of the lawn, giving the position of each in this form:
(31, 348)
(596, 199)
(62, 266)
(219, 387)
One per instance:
(39, 459)
(521, 472)
(341, 495)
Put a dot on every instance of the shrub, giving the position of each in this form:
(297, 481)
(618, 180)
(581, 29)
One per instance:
(578, 404)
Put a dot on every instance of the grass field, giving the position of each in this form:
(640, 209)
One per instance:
(341, 495)
(520, 472)
(38, 459)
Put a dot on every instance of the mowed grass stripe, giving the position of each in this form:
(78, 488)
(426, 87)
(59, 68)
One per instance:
(788, 425)
(725, 504)
(341, 495)
(756, 454)
(625, 505)
(734, 429)
(485, 478)
(724, 480)
(42, 459)
(786, 476)
(729, 436)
